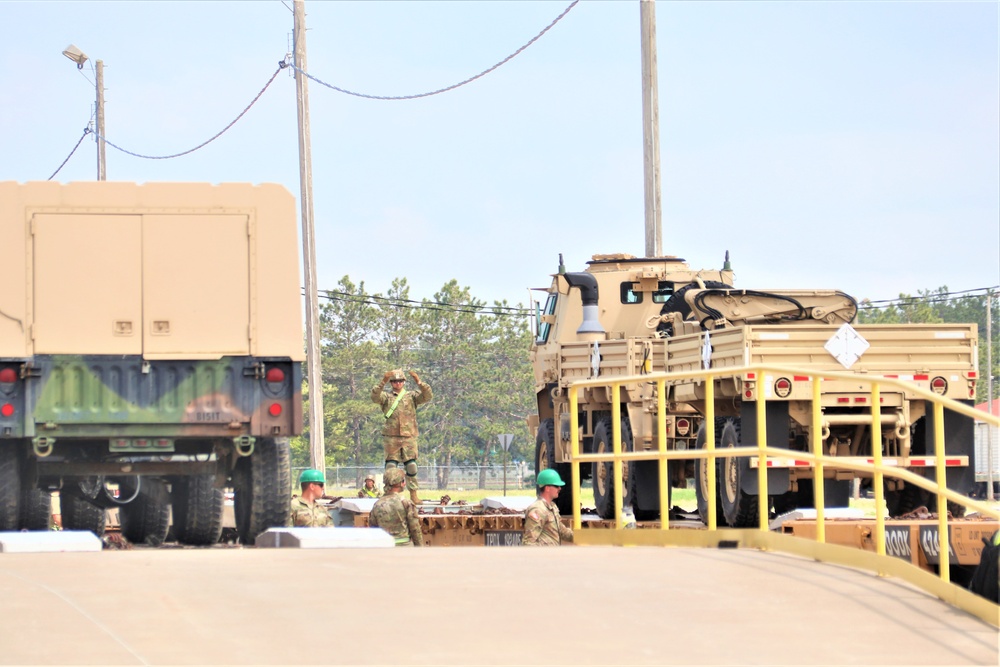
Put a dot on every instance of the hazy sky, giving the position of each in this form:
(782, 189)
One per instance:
(848, 145)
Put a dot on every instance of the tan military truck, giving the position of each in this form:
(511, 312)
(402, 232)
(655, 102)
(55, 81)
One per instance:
(150, 355)
(627, 316)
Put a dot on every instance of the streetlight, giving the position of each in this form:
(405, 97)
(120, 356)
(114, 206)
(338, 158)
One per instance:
(79, 57)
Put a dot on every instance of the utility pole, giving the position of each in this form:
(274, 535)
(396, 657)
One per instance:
(650, 129)
(317, 442)
(101, 173)
(989, 395)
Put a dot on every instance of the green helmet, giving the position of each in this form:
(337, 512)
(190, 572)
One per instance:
(310, 476)
(549, 477)
(393, 477)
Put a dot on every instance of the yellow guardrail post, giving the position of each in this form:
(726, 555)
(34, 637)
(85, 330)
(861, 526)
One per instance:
(877, 476)
(762, 500)
(574, 451)
(819, 484)
(710, 468)
(616, 445)
(944, 558)
(661, 431)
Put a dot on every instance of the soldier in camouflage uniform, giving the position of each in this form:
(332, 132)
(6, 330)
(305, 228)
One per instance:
(542, 526)
(396, 514)
(306, 512)
(399, 435)
(369, 490)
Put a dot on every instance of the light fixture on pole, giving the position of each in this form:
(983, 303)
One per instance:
(79, 57)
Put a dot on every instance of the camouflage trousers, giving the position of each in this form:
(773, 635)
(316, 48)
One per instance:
(401, 450)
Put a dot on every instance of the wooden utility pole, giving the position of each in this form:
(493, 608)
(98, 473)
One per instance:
(650, 129)
(317, 442)
(101, 169)
(990, 472)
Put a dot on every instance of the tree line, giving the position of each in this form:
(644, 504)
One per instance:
(474, 356)
(942, 306)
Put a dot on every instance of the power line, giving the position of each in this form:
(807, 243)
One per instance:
(469, 309)
(451, 87)
(939, 297)
(86, 131)
(438, 303)
(281, 66)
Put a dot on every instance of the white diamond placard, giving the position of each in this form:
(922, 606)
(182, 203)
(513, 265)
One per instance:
(847, 345)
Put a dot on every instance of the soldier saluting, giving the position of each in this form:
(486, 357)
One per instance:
(399, 435)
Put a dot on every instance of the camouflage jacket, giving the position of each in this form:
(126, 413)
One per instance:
(306, 514)
(403, 420)
(398, 517)
(543, 527)
(365, 492)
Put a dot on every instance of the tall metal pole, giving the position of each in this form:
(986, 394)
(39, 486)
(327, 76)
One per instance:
(101, 174)
(317, 442)
(650, 129)
(989, 394)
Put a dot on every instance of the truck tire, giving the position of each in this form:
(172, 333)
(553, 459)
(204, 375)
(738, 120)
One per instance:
(78, 514)
(545, 457)
(603, 472)
(10, 488)
(262, 488)
(36, 509)
(146, 519)
(701, 476)
(197, 510)
(739, 508)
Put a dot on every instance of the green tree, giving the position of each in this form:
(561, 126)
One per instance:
(937, 306)
(351, 361)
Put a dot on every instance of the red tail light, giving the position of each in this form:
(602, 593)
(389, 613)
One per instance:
(939, 385)
(8, 375)
(7, 410)
(782, 387)
(682, 426)
(274, 410)
(275, 375)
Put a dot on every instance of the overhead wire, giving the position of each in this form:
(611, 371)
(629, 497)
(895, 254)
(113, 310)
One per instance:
(281, 66)
(86, 131)
(446, 88)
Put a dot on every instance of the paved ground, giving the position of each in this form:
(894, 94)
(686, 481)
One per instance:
(593, 605)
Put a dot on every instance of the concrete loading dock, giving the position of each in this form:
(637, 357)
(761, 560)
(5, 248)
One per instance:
(657, 606)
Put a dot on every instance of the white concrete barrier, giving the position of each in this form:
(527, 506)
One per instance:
(324, 538)
(42, 541)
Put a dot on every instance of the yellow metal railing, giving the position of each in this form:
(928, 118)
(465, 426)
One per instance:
(816, 457)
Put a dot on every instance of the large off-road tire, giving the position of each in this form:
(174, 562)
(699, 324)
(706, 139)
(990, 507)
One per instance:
(36, 508)
(79, 514)
(739, 508)
(603, 472)
(197, 510)
(10, 488)
(545, 457)
(263, 488)
(701, 476)
(146, 519)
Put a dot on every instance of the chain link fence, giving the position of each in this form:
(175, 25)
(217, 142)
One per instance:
(431, 477)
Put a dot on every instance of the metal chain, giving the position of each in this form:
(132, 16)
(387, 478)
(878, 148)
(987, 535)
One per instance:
(281, 66)
(441, 90)
(86, 131)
